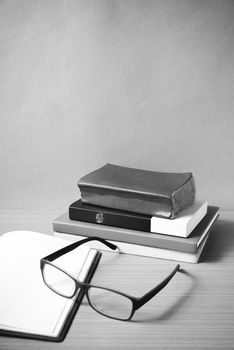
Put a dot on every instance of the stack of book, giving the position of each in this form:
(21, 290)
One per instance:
(143, 212)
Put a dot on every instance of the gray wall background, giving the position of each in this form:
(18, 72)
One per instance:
(146, 84)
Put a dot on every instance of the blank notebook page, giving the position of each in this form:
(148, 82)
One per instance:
(26, 303)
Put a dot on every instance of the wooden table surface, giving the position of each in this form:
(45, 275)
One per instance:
(195, 311)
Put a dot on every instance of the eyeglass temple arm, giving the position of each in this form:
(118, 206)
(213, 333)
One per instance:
(75, 245)
(145, 298)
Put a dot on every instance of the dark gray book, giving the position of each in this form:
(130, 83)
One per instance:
(141, 191)
(190, 244)
(107, 216)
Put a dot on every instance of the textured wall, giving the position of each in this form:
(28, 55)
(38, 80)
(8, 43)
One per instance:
(147, 84)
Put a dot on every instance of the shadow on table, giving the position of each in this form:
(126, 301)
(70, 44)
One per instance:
(172, 309)
(220, 243)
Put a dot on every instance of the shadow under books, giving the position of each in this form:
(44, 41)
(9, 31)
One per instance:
(220, 243)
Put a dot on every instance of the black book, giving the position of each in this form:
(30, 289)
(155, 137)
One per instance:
(107, 216)
(181, 226)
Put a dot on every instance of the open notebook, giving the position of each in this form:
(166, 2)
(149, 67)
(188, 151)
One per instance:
(28, 308)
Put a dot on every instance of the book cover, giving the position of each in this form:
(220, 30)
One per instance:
(107, 216)
(181, 226)
(140, 191)
(36, 312)
(189, 244)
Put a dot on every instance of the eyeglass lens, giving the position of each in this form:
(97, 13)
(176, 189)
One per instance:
(110, 303)
(58, 280)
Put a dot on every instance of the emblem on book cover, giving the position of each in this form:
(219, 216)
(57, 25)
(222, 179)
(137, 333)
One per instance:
(99, 218)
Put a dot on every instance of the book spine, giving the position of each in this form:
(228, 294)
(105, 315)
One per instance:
(183, 197)
(124, 235)
(102, 217)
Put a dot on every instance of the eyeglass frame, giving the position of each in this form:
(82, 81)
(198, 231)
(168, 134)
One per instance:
(136, 302)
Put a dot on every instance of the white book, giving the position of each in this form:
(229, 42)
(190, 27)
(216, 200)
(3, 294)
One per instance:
(27, 306)
(183, 224)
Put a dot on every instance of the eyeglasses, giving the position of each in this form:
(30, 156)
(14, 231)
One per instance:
(108, 302)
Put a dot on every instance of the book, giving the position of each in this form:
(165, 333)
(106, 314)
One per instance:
(140, 191)
(28, 308)
(184, 223)
(108, 216)
(181, 226)
(152, 252)
(148, 239)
